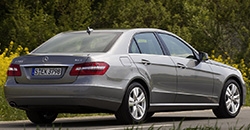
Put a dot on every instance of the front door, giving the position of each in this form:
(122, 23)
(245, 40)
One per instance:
(195, 80)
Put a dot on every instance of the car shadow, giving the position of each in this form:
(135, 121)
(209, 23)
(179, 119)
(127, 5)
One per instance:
(99, 122)
(176, 118)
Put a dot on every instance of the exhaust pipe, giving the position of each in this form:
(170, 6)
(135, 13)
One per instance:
(13, 104)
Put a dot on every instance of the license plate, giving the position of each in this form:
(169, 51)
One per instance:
(46, 71)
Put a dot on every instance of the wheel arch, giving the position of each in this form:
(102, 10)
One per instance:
(144, 85)
(241, 85)
(230, 110)
(123, 114)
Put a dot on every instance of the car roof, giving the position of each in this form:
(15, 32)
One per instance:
(122, 30)
(124, 39)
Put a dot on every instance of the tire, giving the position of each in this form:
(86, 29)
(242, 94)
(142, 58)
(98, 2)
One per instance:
(41, 117)
(133, 109)
(149, 115)
(230, 101)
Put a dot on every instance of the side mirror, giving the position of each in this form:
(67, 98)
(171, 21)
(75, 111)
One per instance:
(203, 56)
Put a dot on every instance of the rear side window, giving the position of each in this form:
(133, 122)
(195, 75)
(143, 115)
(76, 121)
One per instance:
(78, 43)
(145, 43)
(134, 47)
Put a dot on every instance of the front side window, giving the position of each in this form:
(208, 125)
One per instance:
(176, 47)
(145, 43)
(78, 43)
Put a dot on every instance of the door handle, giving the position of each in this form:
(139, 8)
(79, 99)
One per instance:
(145, 62)
(182, 66)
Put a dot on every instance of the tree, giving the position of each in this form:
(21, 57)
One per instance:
(222, 26)
(30, 23)
(28, 28)
(73, 14)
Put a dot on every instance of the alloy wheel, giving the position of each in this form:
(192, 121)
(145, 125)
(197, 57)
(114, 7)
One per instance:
(137, 103)
(232, 98)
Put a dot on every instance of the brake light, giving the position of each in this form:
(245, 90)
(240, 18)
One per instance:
(14, 70)
(89, 68)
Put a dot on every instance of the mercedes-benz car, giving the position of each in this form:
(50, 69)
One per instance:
(131, 73)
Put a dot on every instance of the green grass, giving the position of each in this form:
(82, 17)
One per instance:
(8, 113)
(198, 127)
(174, 127)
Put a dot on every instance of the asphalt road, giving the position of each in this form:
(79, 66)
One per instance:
(161, 121)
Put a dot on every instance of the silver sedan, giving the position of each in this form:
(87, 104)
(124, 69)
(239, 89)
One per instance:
(132, 73)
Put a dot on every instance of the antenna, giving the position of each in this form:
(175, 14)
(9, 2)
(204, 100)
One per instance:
(89, 30)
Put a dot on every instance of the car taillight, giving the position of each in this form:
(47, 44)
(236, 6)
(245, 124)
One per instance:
(14, 70)
(89, 68)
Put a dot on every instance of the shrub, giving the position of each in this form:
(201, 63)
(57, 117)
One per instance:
(6, 57)
(6, 112)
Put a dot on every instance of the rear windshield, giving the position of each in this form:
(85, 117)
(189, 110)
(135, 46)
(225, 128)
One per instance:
(79, 42)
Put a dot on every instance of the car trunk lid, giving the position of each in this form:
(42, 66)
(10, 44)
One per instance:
(47, 69)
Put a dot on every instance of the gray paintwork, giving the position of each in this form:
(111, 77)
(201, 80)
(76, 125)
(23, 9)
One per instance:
(173, 83)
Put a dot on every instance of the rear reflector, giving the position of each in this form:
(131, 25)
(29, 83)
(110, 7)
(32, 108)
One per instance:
(14, 70)
(89, 68)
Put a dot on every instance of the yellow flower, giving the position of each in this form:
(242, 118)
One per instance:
(11, 43)
(26, 49)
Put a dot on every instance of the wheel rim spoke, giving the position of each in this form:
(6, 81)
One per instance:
(234, 89)
(228, 104)
(233, 107)
(140, 110)
(135, 92)
(134, 111)
(237, 100)
(237, 97)
(228, 92)
(141, 98)
(131, 101)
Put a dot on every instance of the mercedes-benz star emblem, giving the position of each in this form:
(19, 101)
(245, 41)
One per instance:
(45, 59)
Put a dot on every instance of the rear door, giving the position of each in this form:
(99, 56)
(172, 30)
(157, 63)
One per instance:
(156, 67)
(195, 79)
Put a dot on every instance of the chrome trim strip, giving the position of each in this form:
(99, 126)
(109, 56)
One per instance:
(162, 91)
(102, 86)
(59, 65)
(194, 94)
(183, 104)
(182, 93)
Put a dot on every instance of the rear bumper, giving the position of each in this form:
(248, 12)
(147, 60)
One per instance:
(64, 97)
